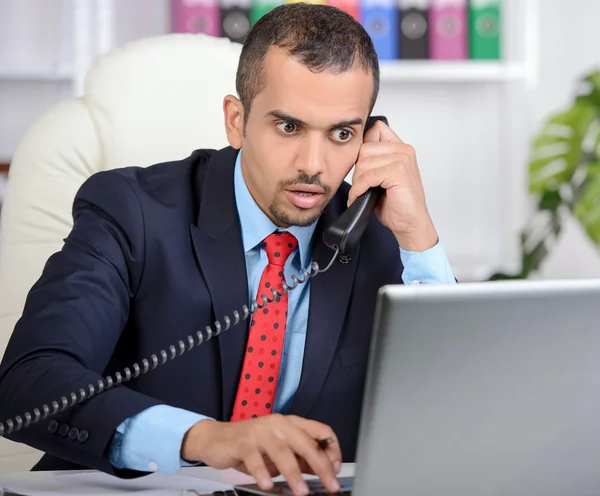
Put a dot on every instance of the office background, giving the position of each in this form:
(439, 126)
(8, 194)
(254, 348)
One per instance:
(471, 121)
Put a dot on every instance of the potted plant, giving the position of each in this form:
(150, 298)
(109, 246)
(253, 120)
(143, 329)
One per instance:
(564, 176)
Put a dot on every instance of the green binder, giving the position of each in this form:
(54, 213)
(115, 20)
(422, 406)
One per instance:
(484, 29)
(260, 7)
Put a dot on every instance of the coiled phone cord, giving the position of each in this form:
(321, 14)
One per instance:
(16, 424)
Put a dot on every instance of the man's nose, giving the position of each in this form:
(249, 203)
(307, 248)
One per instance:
(311, 158)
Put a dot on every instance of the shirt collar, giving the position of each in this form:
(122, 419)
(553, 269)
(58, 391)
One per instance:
(256, 226)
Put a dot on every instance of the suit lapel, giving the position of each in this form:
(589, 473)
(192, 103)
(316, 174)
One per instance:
(218, 245)
(217, 242)
(329, 297)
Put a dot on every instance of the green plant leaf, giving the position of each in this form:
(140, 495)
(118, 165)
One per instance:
(590, 88)
(550, 200)
(556, 150)
(587, 208)
(532, 261)
(568, 142)
(596, 150)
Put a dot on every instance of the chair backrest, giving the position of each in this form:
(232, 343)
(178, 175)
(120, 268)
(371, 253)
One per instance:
(152, 100)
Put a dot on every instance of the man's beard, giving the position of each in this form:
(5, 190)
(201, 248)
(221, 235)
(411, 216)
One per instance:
(288, 219)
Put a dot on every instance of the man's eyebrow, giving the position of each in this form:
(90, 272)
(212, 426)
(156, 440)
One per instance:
(278, 114)
(293, 120)
(351, 122)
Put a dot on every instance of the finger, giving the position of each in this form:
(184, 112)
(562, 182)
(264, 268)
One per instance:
(374, 161)
(358, 188)
(306, 446)
(272, 469)
(271, 466)
(256, 467)
(381, 132)
(386, 177)
(317, 430)
(374, 149)
(305, 468)
(287, 464)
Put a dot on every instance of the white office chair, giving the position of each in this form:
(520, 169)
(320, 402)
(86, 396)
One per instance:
(152, 100)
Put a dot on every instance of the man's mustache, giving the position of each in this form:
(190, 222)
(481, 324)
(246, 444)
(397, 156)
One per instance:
(304, 178)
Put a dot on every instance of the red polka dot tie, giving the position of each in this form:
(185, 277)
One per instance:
(260, 372)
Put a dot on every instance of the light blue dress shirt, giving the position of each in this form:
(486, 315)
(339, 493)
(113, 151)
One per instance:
(151, 440)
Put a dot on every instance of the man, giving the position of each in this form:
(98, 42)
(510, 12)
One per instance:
(156, 254)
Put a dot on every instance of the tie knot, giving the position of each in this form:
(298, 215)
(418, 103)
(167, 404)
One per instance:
(279, 246)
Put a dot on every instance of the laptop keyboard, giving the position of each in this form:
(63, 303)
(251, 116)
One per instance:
(316, 488)
(314, 485)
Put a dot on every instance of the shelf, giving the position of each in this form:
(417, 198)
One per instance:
(391, 71)
(449, 71)
(34, 74)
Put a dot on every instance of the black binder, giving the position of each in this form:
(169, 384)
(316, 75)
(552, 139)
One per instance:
(413, 32)
(235, 20)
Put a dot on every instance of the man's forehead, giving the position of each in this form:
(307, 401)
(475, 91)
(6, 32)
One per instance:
(290, 86)
(279, 63)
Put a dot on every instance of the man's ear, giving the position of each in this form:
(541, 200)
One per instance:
(233, 111)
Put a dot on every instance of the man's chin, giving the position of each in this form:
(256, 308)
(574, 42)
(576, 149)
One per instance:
(297, 217)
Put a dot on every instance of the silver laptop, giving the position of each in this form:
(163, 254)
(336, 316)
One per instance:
(486, 389)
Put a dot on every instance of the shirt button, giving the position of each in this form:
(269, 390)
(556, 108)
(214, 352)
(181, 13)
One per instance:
(153, 466)
(83, 435)
(416, 282)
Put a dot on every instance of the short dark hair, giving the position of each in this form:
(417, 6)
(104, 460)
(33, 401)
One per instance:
(318, 36)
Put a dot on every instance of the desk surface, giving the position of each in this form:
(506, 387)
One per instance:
(233, 477)
(229, 477)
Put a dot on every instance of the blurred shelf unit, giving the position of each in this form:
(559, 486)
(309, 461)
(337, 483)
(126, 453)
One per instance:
(86, 30)
(396, 71)
(35, 74)
(91, 29)
(399, 71)
(92, 25)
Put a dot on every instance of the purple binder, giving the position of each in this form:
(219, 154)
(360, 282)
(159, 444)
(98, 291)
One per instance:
(196, 16)
(448, 29)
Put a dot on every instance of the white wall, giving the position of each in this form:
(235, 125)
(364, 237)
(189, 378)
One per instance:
(460, 163)
(455, 127)
(473, 168)
(30, 39)
(570, 48)
(459, 130)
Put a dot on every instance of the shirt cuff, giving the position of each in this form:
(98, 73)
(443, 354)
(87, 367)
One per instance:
(426, 267)
(151, 440)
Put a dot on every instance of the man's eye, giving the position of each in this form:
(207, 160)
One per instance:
(342, 134)
(287, 127)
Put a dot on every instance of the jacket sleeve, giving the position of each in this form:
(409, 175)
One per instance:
(73, 318)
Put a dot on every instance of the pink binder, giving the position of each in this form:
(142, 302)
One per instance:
(196, 16)
(448, 29)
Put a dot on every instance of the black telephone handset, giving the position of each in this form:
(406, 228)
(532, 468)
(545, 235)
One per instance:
(343, 234)
(340, 236)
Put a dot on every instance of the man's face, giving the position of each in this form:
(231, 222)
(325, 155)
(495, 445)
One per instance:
(302, 137)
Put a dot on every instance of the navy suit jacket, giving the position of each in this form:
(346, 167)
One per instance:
(155, 254)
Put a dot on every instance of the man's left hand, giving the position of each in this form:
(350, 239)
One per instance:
(384, 160)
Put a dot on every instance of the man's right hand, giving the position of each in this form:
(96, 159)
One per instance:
(265, 447)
